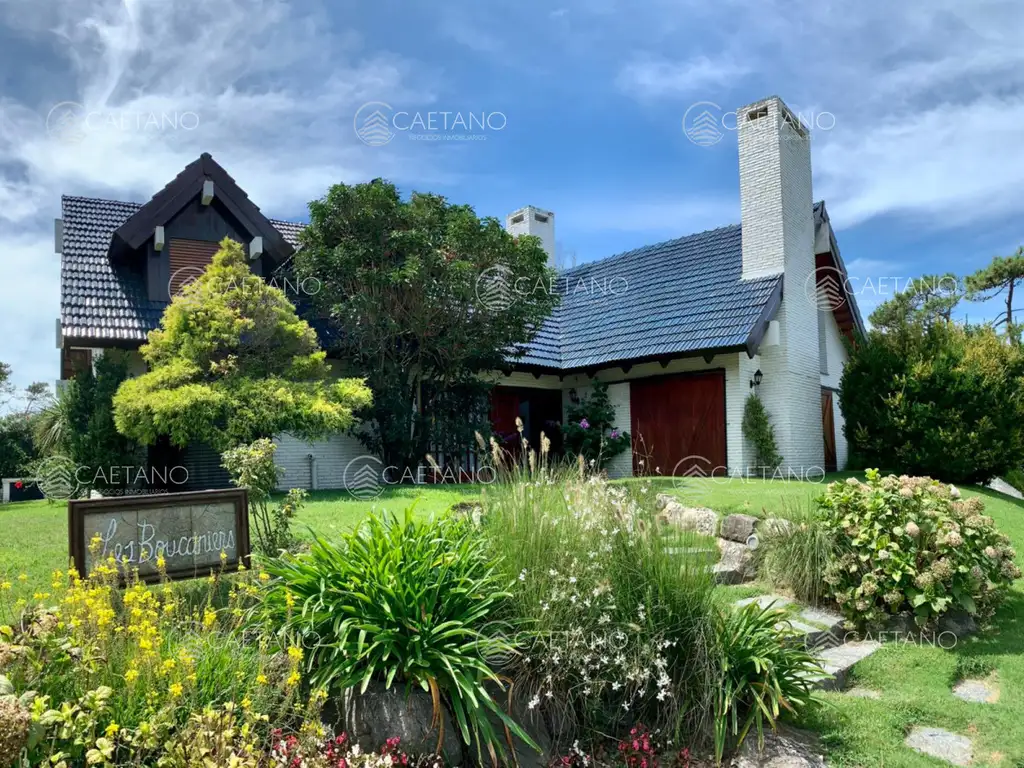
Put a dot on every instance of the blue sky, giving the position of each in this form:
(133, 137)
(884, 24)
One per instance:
(918, 158)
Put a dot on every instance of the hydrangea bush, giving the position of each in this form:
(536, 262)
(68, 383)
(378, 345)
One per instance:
(912, 544)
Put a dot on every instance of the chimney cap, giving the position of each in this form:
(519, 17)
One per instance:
(785, 113)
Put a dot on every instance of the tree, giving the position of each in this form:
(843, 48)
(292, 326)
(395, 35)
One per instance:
(232, 363)
(1004, 275)
(926, 300)
(419, 296)
(944, 401)
(590, 428)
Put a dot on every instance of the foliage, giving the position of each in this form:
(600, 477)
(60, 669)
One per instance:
(913, 544)
(795, 554)
(924, 301)
(231, 363)
(1004, 275)
(252, 467)
(616, 623)
(403, 601)
(1015, 477)
(52, 428)
(944, 401)
(758, 430)
(762, 673)
(17, 450)
(89, 438)
(590, 428)
(401, 287)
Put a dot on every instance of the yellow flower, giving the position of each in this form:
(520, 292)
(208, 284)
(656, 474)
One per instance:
(261, 679)
(131, 675)
(209, 618)
(160, 562)
(175, 690)
(112, 730)
(295, 654)
(223, 556)
(246, 702)
(264, 576)
(4, 586)
(293, 679)
(22, 577)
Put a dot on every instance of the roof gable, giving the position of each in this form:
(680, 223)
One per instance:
(170, 200)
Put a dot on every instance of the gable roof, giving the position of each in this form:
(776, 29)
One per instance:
(102, 302)
(166, 203)
(682, 296)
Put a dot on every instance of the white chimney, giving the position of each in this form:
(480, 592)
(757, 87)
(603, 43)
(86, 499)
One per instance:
(536, 222)
(775, 192)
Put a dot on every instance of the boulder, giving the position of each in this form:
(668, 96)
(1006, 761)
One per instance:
(958, 623)
(784, 748)
(736, 564)
(531, 721)
(738, 527)
(774, 526)
(371, 718)
(699, 519)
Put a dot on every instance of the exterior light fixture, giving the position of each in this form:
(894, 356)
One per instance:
(756, 381)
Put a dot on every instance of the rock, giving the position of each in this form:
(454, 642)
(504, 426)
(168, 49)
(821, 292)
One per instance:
(662, 500)
(838, 661)
(951, 747)
(784, 748)
(738, 527)
(958, 623)
(899, 627)
(766, 601)
(531, 721)
(736, 564)
(701, 520)
(976, 691)
(371, 718)
(1000, 485)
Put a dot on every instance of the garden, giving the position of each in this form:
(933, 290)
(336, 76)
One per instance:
(550, 618)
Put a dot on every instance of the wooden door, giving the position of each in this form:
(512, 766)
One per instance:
(828, 429)
(678, 424)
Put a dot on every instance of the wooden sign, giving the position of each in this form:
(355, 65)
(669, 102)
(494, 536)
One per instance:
(188, 530)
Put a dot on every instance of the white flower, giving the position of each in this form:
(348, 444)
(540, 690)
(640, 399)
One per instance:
(533, 702)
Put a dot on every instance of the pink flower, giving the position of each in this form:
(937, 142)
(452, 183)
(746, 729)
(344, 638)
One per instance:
(584, 424)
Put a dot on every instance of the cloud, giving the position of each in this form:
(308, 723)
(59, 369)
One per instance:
(266, 88)
(652, 77)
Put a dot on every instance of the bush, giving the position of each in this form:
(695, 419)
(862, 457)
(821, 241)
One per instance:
(763, 673)
(616, 618)
(757, 428)
(589, 429)
(252, 467)
(795, 554)
(1015, 477)
(913, 544)
(400, 601)
(942, 401)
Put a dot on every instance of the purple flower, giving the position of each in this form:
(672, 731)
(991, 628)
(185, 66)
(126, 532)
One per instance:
(615, 434)
(584, 424)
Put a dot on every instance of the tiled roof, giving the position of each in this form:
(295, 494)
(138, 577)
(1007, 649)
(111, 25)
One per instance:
(680, 296)
(99, 301)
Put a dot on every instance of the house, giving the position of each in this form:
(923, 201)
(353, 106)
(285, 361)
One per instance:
(682, 331)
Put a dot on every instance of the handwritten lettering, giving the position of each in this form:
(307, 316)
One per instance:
(145, 544)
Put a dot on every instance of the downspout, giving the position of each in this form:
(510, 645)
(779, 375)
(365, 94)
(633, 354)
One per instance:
(312, 471)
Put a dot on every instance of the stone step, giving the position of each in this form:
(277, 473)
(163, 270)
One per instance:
(838, 661)
(816, 628)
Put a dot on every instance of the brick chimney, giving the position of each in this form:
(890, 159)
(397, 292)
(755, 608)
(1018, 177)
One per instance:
(536, 222)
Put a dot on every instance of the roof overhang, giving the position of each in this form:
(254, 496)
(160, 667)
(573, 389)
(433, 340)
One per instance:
(832, 278)
(206, 179)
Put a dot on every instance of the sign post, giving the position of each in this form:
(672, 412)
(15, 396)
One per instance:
(190, 531)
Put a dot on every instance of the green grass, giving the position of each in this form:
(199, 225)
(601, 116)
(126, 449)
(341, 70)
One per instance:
(34, 543)
(915, 681)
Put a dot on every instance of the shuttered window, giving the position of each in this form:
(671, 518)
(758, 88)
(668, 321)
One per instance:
(188, 260)
(74, 361)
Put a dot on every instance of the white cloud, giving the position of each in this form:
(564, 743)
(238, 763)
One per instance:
(651, 77)
(268, 90)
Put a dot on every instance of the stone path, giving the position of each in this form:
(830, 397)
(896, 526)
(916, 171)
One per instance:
(945, 745)
(977, 691)
(863, 693)
(1005, 488)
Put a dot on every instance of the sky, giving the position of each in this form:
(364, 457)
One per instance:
(580, 108)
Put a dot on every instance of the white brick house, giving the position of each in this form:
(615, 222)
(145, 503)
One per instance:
(680, 330)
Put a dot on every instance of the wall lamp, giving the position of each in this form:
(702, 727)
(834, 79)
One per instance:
(756, 381)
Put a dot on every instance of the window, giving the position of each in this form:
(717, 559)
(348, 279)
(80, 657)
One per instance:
(188, 260)
(518, 218)
(74, 361)
(541, 218)
(824, 318)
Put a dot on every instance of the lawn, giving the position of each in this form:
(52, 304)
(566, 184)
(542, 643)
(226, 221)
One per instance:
(915, 681)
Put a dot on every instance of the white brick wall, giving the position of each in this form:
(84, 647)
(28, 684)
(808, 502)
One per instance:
(332, 457)
(778, 236)
(835, 349)
(618, 395)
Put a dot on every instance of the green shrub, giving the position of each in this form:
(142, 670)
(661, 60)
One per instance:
(761, 673)
(913, 544)
(1015, 477)
(942, 401)
(757, 428)
(400, 601)
(616, 615)
(590, 429)
(795, 554)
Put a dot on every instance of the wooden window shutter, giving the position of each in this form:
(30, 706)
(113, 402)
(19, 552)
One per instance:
(188, 260)
(74, 361)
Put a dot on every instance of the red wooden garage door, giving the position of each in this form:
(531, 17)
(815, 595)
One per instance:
(679, 424)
